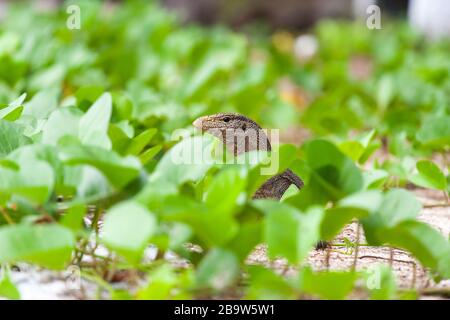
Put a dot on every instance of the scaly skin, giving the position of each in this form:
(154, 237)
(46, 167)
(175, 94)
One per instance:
(229, 127)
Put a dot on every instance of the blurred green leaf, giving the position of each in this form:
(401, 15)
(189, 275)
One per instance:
(188, 160)
(45, 245)
(381, 282)
(218, 270)
(386, 92)
(435, 132)
(73, 218)
(94, 123)
(397, 206)
(289, 232)
(42, 104)
(332, 285)
(13, 111)
(424, 242)
(336, 173)
(7, 288)
(138, 143)
(63, 122)
(34, 181)
(127, 229)
(11, 137)
(267, 285)
(118, 170)
(226, 191)
(429, 176)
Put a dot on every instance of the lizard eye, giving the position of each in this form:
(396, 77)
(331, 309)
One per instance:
(226, 119)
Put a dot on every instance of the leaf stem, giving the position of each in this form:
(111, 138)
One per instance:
(6, 216)
(436, 205)
(355, 258)
(100, 282)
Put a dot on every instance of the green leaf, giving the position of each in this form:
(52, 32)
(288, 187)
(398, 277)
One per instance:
(13, 111)
(429, 176)
(218, 270)
(381, 282)
(119, 137)
(50, 77)
(167, 283)
(374, 179)
(86, 95)
(119, 171)
(211, 227)
(127, 228)
(138, 143)
(289, 232)
(8, 288)
(360, 149)
(73, 218)
(248, 236)
(369, 201)
(214, 227)
(435, 132)
(226, 191)
(386, 92)
(337, 218)
(42, 104)
(353, 149)
(218, 62)
(123, 106)
(61, 123)
(94, 123)
(149, 154)
(162, 282)
(39, 153)
(267, 285)
(11, 137)
(188, 160)
(335, 174)
(49, 246)
(285, 154)
(179, 234)
(332, 285)
(34, 181)
(424, 242)
(398, 205)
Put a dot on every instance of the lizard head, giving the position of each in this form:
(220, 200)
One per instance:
(237, 132)
(225, 121)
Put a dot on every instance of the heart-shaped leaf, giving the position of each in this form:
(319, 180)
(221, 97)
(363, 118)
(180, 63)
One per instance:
(429, 176)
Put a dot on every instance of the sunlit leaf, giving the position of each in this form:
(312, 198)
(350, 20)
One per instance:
(127, 229)
(218, 270)
(94, 123)
(333, 285)
(429, 176)
(46, 245)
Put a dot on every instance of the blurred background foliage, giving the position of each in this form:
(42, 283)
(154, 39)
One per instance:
(88, 115)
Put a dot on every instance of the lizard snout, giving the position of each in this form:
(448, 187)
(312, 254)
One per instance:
(198, 123)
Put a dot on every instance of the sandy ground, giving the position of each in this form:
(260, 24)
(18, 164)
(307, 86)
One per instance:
(409, 273)
(37, 283)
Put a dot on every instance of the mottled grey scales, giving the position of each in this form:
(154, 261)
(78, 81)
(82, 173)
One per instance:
(236, 124)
